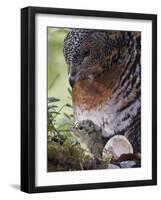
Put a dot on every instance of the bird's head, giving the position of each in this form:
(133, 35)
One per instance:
(86, 129)
(83, 128)
(84, 52)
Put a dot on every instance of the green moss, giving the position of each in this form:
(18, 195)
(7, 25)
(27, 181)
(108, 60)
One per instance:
(64, 157)
(67, 157)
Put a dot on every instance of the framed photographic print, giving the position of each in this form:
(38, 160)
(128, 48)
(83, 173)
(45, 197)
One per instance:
(88, 99)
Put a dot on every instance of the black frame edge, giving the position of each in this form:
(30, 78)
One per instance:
(28, 99)
(24, 100)
(93, 186)
(92, 13)
(154, 99)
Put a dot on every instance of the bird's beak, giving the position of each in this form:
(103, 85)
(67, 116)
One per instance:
(72, 80)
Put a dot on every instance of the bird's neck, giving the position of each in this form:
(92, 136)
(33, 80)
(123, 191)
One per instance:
(88, 94)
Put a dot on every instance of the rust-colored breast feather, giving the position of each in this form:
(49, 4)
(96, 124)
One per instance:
(91, 93)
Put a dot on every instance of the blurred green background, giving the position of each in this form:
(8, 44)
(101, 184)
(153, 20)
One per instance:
(57, 69)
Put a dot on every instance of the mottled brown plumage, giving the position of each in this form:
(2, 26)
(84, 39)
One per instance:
(105, 74)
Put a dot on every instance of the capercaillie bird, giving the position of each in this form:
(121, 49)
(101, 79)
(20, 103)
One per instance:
(104, 71)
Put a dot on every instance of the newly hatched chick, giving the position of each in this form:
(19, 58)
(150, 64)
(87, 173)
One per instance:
(89, 136)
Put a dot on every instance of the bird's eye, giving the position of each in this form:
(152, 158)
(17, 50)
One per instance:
(85, 52)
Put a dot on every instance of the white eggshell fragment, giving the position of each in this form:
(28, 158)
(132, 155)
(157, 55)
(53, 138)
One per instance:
(116, 146)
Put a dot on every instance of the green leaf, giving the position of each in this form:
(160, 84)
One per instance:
(53, 99)
(68, 105)
(66, 115)
(54, 112)
(52, 107)
(70, 91)
(65, 126)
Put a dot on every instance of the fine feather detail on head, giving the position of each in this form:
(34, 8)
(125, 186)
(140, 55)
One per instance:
(89, 53)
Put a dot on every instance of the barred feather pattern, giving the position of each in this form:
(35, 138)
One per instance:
(112, 97)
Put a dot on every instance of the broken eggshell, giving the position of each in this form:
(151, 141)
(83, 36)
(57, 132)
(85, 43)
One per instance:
(116, 146)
